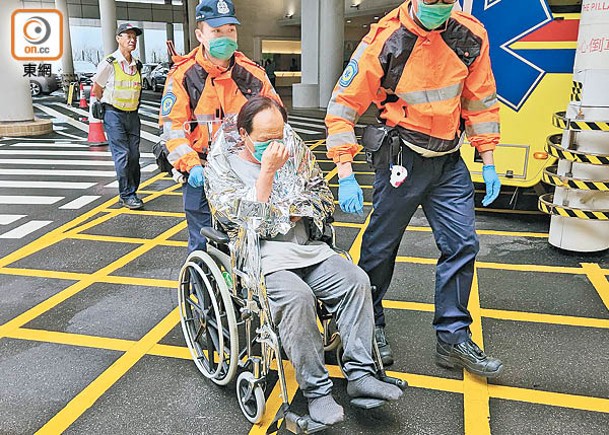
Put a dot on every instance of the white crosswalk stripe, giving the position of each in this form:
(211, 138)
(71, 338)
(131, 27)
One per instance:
(25, 229)
(40, 176)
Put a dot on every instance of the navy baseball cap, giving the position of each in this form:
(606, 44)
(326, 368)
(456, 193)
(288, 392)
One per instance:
(216, 13)
(128, 26)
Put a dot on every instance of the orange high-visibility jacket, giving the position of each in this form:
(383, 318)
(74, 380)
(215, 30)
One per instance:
(198, 95)
(432, 84)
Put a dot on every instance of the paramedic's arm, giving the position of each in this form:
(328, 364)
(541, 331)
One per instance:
(175, 112)
(479, 104)
(353, 94)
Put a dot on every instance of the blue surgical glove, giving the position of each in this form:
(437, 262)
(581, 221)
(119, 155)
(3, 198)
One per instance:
(195, 176)
(350, 195)
(493, 185)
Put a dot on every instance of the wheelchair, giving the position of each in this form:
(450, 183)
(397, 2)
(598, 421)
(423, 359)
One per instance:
(230, 332)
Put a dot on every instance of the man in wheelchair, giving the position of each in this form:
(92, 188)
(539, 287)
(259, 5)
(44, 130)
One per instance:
(262, 177)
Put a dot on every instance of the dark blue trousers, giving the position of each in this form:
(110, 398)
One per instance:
(123, 131)
(197, 215)
(443, 187)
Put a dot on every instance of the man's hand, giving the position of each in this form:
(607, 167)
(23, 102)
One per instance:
(274, 157)
(493, 185)
(97, 91)
(350, 195)
(195, 176)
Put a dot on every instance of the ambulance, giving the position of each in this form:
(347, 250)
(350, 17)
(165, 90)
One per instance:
(533, 45)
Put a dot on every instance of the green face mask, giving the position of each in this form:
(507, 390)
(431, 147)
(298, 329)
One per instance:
(260, 147)
(433, 16)
(222, 48)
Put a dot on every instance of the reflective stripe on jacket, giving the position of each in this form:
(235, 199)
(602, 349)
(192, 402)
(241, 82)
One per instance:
(432, 84)
(127, 89)
(198, 95)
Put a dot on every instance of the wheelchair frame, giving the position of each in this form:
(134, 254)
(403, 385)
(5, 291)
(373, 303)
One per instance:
(208, 306)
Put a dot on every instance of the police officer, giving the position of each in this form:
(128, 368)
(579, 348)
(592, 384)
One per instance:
(118, 84)
(427, 68)
(211, 82)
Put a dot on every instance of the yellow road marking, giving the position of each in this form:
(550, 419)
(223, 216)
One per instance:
(596, 275)
(356, 247)
(151, 192)
(39, 273)
(550, 319)
(516, 316)
(58, 298)
(475, 389)
(112, 239)
(142, 282)
(92, 392)
(149, 213)
(573, 401)
(409, 306)
(504, 266)
(55, 235)
(274, 402)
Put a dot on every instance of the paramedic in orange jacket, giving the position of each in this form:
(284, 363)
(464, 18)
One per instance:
(207, 84)
(427, 68)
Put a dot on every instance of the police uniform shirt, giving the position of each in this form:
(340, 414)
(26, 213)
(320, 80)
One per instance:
(105, 73)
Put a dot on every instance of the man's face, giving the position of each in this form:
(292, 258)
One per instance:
(205, 33)
(127, 40)
(267, 125)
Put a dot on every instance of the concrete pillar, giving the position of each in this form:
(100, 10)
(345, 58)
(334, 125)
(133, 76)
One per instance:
(107, 14)
(257, 52)
(16, 111)
(141, 43)
(331, 36)
(306, 93)
(15, 87)
(67, 63)
(170, 37)
(192, 24)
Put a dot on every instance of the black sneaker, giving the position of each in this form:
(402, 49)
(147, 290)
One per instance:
(384, 348)
(133, 203)
(468, 356)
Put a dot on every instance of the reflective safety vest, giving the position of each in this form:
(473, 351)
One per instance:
(127, 88)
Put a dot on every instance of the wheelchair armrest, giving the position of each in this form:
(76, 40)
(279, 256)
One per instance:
(215, 235)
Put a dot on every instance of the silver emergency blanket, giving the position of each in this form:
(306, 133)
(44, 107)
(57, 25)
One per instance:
(299, 189)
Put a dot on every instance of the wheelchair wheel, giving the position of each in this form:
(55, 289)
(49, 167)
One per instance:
(251, 397)
(207, 315)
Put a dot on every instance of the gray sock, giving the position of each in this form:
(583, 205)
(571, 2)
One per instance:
(369, 386)
(325, 410)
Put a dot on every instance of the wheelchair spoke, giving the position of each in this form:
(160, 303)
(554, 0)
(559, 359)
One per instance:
(194, 304)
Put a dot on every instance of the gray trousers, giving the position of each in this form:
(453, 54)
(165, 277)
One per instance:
(344, 288)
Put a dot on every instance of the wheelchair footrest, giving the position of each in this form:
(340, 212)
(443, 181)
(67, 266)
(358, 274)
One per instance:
(395, 381)
(367, 402)
(302, 424)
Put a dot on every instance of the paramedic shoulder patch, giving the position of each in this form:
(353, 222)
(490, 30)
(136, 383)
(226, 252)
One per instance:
(167, 104)
(349, 74)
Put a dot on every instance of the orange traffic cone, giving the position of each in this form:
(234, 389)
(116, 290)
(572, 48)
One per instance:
(96, 136)
(83, 101)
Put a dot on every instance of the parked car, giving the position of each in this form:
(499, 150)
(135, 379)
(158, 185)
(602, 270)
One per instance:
(158, 76)
(85, 71)
(40, 85)
(147, 69)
